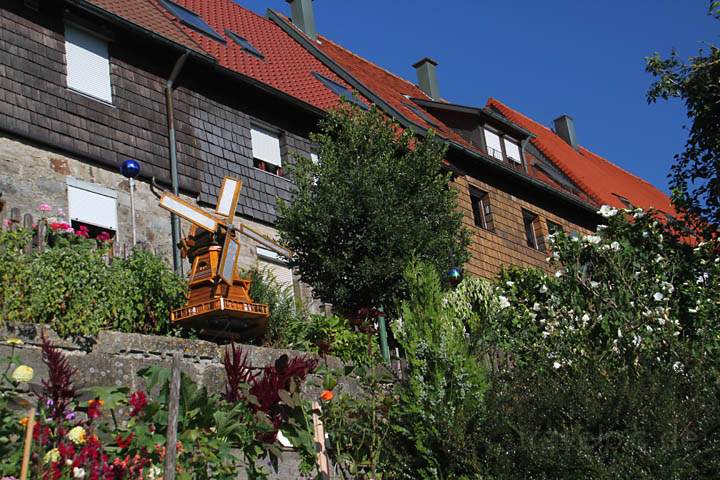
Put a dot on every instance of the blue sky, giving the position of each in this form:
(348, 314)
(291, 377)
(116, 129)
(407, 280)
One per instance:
(544, 58)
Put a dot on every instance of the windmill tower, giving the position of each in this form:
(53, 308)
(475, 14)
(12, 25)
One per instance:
(219, 302)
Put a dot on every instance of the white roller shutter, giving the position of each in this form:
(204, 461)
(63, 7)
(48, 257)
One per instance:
(88, 65)
(512, 150)
(92, 204)
(266, 146)
(271, 261)
(492, 141)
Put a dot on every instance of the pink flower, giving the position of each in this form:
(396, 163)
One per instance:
(44, 207)
(61, 227)
(103, 236)
(60, 212)
(82, 231)
(7, 222)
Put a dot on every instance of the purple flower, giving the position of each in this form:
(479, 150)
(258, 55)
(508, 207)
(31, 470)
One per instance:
(49, 402)
(69, 417)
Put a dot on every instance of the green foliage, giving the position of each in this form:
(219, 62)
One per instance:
(376, 199)
(11, 431)
(695, 177)
(72, 288)
(291, 326)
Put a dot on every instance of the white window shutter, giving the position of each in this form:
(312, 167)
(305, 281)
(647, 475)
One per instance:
(88, 64)
(92, 204)
(492, 140)
(271, 261)
(512, 150)
(266, 146)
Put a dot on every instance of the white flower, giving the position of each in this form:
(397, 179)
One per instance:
(658, 296)
(678, 367)
(545, 334)
(556, 365)
(592, 239)
(594, 284)
(154, 473)
(504, 302)
(692, 310)
(543, 289)
(585, 318)
(559, 273)
(607, 211)
(638, 213)
(536, 306)
(619, 333)
(636, 340)
(615, 246)
(600, 228)
(78, 472)
(509, 283)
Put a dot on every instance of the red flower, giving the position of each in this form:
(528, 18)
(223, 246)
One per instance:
(327, 395)
(93, 410)
(103, 236)
(82, 231)
(124, 443)
(138, 401)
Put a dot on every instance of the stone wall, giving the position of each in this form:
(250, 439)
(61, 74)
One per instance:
(113, 359)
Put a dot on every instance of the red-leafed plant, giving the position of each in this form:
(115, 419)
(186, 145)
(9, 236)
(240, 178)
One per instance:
(58, 390)
(237, 373)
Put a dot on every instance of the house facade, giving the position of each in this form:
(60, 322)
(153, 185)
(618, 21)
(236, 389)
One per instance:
(196, 90)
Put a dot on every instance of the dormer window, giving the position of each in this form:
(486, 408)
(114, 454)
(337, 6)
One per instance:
(191, 19)
(512, 150)
(492, 143)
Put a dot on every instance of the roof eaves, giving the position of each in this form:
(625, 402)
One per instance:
(88, 7)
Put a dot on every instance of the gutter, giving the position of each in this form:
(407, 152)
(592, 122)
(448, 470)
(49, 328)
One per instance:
(174, 219)
(405, 122)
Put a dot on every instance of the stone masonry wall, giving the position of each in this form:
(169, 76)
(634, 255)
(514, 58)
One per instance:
(113, 359)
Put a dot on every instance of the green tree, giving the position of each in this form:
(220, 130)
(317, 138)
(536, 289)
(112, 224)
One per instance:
(376, 199)
(695, 175)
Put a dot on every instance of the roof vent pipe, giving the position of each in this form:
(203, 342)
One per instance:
(427, 78)
(303, 16)
(565, 129)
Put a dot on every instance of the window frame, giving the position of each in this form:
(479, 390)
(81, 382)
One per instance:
(507, 139)
(554, 227)
(487, 129)
(481, 208)
(173, 8)
(532, 220)
(244, 44)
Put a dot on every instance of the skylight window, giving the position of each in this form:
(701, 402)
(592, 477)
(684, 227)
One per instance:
(244, 43)
(417, 111)
(341, 91)
(191, 19)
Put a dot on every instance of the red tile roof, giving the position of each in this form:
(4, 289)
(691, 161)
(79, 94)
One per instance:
(286, 65)
(150, 16)
(600, 178)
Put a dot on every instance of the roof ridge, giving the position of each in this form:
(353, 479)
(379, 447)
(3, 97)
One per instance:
(326, 39)
(174, 20)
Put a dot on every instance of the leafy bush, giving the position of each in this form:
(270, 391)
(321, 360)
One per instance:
(72, 288)
(291, 326)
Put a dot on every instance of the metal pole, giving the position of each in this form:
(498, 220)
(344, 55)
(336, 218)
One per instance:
(384, 348)
(132, 210)
(172, 422)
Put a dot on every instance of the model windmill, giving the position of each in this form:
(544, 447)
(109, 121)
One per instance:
(219, 302)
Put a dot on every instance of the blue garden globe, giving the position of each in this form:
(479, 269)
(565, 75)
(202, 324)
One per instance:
(454, 276)
(130, 168)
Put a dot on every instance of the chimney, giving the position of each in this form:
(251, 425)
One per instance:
(427, 79)
(303, 16)
(565, 129)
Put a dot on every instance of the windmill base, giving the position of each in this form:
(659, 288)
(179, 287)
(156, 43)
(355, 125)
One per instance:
(224, 318)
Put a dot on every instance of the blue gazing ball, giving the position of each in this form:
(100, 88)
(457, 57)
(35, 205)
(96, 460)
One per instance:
(454, 276)
(130, 169)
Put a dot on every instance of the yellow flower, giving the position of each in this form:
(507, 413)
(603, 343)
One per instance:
(14, 341)
(24, 421)
(52, 456)
(22, 374)
(77, 435)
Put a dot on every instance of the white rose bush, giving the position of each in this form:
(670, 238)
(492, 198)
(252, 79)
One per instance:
(615, 359)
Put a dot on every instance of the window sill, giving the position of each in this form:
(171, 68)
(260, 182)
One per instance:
(91, 97)
(270, 173)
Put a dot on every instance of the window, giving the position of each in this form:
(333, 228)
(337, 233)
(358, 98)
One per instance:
(93, 207)
(191, 19)
(88, 64)
(512, 150)
(315, 158)
(277, 265)
(341, 91)
(244, 43)
(266, 150)
(628, 204)
(492, 142)
(482, 213)
(554, 228)
(417, 111)
(530, 220)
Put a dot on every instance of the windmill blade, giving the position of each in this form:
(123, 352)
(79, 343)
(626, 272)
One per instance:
(264, 241)
(228, 262)
(228, 199)
(192, 214)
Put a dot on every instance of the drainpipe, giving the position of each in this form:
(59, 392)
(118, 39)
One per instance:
(522, 152)
(174, 220)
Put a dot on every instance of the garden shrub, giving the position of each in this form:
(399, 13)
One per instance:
(71, 287)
